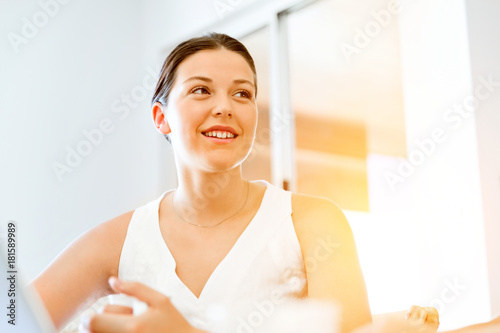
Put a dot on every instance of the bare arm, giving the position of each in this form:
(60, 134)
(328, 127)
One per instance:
(78, 276)
(396, 324)
(332, 265)
(492, 326)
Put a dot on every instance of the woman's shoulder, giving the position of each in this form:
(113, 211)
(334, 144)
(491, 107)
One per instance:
(304, 205)
(107, 237)
(111, 233)
(316, 216)
(115, 227)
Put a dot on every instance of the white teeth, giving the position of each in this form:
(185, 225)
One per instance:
(220, 135)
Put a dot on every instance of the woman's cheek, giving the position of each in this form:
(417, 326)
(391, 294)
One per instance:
(252, 120)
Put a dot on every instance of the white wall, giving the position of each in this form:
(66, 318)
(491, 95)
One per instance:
(168, 22)
(66, 79)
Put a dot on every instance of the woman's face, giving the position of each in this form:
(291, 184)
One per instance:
(211, 110)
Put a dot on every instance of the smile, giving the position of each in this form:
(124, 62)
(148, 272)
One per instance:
(219, 134)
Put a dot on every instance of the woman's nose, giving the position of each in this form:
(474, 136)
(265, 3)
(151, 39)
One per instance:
(222, 107)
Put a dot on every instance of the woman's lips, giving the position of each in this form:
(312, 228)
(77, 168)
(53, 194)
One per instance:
(221, 129)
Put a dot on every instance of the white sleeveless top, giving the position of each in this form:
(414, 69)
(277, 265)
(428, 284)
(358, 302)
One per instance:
(264, 267)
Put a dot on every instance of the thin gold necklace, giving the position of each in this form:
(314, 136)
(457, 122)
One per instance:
(214, 225)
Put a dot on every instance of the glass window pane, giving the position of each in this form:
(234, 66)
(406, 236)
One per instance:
(346, 97)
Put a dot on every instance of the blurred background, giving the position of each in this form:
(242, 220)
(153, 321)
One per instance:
(389, 108)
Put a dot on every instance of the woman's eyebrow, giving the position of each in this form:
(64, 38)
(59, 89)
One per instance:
(202, 78)
(243, 81)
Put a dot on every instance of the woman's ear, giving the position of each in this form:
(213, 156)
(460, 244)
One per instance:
(159, 119)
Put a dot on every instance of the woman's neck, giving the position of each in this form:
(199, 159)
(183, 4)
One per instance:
(207, 198)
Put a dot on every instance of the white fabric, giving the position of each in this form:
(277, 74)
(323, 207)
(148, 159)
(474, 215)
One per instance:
(263, 268)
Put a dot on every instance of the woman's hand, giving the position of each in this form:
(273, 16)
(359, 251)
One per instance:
(423, 315)
(417, 320)
(161, 315)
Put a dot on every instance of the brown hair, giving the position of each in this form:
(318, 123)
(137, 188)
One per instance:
(210, 41)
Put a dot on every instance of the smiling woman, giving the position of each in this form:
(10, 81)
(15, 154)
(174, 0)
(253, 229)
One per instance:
(219, 252)
(184, 50)
(210, 96)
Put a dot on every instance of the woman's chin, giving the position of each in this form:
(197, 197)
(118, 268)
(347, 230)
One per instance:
(220, 164)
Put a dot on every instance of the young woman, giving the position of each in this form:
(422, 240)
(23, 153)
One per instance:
(217, 249)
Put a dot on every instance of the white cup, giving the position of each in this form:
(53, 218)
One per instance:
(138, 307)
(303, 316)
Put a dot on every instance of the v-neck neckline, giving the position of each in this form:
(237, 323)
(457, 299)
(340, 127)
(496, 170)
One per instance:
(222, 263)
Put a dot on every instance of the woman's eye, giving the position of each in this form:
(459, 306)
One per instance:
(200, 90)
(243, 93)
